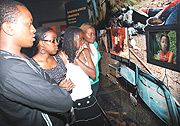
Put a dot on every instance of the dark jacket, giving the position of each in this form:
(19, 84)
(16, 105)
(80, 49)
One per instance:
(25, 95)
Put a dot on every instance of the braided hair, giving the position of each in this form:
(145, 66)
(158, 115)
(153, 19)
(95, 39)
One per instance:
(69, 45)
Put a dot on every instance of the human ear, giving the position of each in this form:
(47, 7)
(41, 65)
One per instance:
(41, 43)
(7, 28)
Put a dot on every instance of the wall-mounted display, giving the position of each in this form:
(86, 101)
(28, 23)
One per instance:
(119, 47)
(102, 39)
(163, 46)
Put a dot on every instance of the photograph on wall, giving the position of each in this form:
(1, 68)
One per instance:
(112, 19)
(163, 46)
(102, 39)
(119, 42)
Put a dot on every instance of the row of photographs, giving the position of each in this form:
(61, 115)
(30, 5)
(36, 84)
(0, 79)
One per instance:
(115, 41)
(162, 45)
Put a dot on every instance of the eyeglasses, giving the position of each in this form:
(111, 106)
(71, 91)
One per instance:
(52, 41)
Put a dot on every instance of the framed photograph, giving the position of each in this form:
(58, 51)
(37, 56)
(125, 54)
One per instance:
(163, 46)
(103, 40)
(119, 43)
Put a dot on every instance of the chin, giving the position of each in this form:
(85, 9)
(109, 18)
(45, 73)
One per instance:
(28, 46)
(54, 53)
(92, 41)
(31, 45)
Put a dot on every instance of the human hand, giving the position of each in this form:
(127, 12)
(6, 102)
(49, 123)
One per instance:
(78, 52)
(68, 84)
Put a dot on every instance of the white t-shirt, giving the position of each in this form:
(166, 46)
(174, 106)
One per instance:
(80, 79)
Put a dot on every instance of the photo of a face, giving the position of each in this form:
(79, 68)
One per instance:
(163, 46)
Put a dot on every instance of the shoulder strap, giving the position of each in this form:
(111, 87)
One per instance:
(64, 57)
(84, 56)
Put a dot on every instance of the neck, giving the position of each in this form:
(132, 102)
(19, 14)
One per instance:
(8, 45)
(42, 57)
(164, 52)
(87, 44)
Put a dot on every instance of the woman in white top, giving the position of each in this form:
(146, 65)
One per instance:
(78, 63)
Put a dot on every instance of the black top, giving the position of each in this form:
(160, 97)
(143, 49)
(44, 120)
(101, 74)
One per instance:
(59, 72)
(25, 94)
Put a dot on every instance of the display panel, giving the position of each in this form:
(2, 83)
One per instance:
(163, 46)
(102, 39)
(119, 47)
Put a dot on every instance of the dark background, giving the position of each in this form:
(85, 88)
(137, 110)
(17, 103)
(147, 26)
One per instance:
(46, 10)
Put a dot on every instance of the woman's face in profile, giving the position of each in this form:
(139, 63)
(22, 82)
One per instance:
(51, 47)
(89, 35)
(164, 43)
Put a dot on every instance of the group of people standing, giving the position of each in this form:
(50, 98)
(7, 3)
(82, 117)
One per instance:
(52, 85)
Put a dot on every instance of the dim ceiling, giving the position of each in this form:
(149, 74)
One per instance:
(43, 1)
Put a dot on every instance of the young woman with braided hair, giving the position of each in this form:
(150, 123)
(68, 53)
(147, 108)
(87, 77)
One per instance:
(78, 62)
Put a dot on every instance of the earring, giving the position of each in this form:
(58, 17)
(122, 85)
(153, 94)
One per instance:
(42, 51)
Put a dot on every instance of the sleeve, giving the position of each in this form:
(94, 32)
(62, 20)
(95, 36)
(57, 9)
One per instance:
(25, 86)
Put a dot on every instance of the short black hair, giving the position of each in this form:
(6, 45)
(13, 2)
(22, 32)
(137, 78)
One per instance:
(9, 11)
(68, 44)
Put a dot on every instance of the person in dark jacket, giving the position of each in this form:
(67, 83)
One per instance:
(28, 97)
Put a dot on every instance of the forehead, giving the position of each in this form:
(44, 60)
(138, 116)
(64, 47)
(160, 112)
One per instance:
(164, 38)
(24, 13)
(50, 34)
(91, 29)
